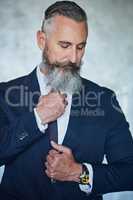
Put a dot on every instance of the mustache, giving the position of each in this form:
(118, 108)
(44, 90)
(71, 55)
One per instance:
(66, 66)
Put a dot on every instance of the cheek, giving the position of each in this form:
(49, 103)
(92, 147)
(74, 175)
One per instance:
(57, 55)
(51, 54)
(80, 56)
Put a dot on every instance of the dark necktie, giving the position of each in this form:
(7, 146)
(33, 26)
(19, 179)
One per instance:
(53, 131)
(53, 135)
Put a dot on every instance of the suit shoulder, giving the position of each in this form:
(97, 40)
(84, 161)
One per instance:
(15, 82)
(92, 86)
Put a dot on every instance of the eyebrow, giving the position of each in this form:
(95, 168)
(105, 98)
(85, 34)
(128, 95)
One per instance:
(69, 43)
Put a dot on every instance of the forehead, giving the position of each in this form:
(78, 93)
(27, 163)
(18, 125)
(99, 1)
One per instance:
(69, 30)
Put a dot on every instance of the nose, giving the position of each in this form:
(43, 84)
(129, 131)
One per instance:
(73, 55)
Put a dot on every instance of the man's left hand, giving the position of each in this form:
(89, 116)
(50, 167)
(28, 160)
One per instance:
(61, 165)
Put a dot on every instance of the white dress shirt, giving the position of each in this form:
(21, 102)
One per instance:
(62, 124)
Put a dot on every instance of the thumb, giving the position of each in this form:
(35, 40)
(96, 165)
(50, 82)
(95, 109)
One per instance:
(60, 148)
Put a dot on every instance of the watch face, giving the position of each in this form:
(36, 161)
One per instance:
(84, 179)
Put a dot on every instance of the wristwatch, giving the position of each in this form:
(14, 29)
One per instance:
(84, 177)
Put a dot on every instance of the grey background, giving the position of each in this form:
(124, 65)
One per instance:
(109, 54)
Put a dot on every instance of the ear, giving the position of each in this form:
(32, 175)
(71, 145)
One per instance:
(41, 39)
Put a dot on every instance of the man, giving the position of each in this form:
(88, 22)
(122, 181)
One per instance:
(56, 127)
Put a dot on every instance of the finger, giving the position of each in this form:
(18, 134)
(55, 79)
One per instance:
(53, 153)
(49, 159)
(56, 146)
(50, 175)
(64, 95)
(65, 102)
(40, 98)
(46, 171)
(53, 163)
(59, 92)
(40, 101)
(53, 91)
(60, 148)
(49, 167)
(46, 165)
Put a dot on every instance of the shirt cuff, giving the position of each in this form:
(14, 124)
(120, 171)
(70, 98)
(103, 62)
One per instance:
(2, 169)
(88, 188)
(42, 127)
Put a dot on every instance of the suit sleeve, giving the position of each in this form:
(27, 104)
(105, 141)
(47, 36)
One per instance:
(116, 175)
(16, 133)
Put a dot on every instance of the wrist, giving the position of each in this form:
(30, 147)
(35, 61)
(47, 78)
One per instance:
(76, 172)
(41, 116)
(37, 110)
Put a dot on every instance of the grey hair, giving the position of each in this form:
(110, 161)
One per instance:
(47, 26)
(63, 8)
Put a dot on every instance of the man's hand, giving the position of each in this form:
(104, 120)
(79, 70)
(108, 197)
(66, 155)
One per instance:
(51, 106)
(61, 165)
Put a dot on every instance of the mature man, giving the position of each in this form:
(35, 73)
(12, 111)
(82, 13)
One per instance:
(56, 127)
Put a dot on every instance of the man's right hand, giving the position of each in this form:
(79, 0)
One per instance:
(51, 106)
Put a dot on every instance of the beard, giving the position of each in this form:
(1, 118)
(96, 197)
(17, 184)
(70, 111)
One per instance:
(62, 76)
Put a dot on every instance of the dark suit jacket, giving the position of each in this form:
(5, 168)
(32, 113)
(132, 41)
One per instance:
(97, 127)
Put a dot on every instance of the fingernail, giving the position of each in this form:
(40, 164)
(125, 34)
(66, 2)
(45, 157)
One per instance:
(52, 142)
(65, 94)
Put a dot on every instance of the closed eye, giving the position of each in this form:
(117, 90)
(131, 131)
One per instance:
(81, 46)
(64, 44)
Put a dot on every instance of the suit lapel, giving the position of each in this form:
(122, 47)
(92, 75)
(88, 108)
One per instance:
(33, 87)
(72, 129)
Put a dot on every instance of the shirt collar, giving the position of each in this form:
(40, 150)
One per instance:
(42, 80)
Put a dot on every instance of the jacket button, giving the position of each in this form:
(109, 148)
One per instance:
(23, 135)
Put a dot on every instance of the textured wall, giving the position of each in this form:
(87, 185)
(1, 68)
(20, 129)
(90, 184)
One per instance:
(108, 59)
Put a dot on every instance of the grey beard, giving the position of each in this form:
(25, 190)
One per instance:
(67, 81)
